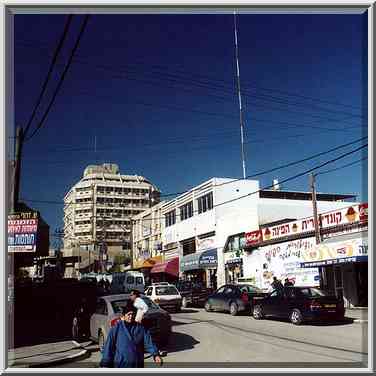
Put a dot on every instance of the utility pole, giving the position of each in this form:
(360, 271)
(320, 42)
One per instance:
(239, 97)
(17, 168)
(13, 209)
(314, 203)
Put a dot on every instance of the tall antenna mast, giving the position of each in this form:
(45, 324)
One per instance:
(239, 96)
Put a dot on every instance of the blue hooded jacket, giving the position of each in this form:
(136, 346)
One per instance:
(125, 345)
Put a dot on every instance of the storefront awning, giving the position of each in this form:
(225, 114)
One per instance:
(169, 267)
(199, 260)
(148, 263)
(339, 249)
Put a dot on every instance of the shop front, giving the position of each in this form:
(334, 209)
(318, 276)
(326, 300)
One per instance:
(200, 267)
(167, 271)
(343, 263)
(233, 267)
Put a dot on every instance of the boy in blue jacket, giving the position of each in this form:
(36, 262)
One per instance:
(126, 342)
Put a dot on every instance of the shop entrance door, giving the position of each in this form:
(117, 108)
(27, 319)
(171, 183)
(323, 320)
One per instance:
(338, 282)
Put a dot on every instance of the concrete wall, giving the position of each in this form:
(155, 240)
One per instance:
(271, 210)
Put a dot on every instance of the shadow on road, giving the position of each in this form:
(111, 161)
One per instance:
(181, 342)
(345, 321)
(187, 310)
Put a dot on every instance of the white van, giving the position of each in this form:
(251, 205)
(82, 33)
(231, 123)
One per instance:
(134, 281)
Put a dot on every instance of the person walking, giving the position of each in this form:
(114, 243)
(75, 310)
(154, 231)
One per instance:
(288, 283)
(126, 342)
(139, 303)
(277, 285)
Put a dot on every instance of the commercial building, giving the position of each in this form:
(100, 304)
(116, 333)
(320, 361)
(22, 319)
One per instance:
(98, 211)
(147, 230)
(199, 222)
(337, 261)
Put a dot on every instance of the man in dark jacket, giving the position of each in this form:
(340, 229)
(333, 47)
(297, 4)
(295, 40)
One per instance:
(126, 342)
(277, 285)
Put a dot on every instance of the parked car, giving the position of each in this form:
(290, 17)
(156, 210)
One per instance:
(194, 294)
(300, 304)
(165, 295)
(108, 311)
(234, 298)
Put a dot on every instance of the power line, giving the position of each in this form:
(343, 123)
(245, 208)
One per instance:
(237, 198)
(280, 167)
(342, 167)
(82, 29)
(159, 69)
(194, 82)
(49, 73)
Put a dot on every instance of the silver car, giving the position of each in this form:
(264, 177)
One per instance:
(107, 313)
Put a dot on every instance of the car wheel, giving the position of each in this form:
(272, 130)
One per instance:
(207, 307)
(234, 309)
(296, 317)
(75, 328)
(184, 303)
(258, 314)
(100, 340)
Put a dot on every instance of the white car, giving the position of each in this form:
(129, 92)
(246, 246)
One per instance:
(107, 313)
(165, 295)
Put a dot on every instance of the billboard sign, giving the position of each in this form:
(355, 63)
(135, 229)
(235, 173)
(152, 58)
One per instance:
(22, 232)
(330, 253)
(349, 215)
(284, 260)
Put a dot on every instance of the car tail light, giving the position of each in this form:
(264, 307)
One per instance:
(114, 321)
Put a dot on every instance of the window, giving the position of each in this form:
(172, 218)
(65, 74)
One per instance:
(149, 291)
(235, 242)
(170, 218)
(229, 290)
(101, 308)
(139, 281)
(205, 203)
(166, 290)
(221, 290)
(186, 211)
(130, 280)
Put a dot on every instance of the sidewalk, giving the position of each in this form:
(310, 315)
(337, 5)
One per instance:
(359, 315)
(46, 355)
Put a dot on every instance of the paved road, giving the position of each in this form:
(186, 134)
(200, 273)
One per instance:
(203, 339)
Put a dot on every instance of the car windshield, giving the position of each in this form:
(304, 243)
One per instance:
(166, 290)
(312, 292)
(117, 305)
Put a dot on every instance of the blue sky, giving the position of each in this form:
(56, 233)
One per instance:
(158, 94)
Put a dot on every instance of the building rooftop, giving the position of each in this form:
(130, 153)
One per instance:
(296, 195)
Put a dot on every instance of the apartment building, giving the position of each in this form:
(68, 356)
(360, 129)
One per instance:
(98, 211)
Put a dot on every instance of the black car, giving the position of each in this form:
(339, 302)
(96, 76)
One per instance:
(300, 304)
(234, 298)
(194, 294)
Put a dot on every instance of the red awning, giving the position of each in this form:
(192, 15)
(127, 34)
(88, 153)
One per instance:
(169, 267)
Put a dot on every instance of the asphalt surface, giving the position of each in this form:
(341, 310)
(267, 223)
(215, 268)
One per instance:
(202, 339)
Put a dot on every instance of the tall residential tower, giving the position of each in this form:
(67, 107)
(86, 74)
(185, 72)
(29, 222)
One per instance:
(98, 211)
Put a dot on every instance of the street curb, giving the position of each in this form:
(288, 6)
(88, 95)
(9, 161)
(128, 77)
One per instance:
(66, 359)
